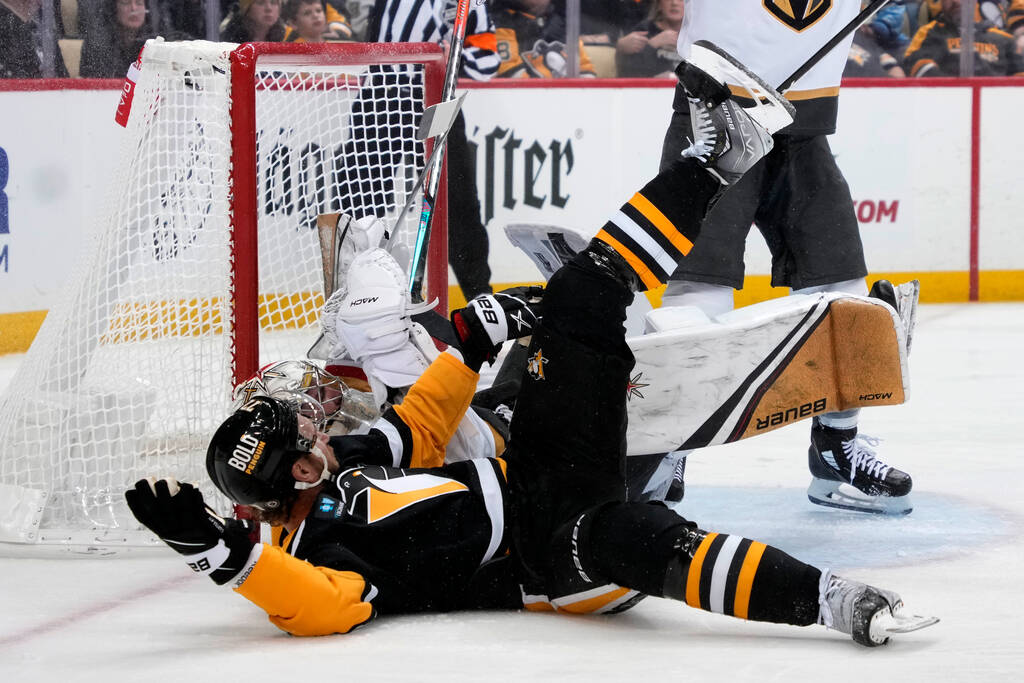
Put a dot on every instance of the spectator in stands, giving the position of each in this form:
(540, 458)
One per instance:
(188, 17)
(649, 49)
(935, 49)
(113, 43)
(21, 41)
(1015, 22)
(878, 45)
(603, 22)
(358, 12)
(254, 20)
(995, 11)
(531, 41)
(308, 21)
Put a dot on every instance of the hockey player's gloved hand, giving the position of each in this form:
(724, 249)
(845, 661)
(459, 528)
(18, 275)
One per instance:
(489, 320)
(177, 514)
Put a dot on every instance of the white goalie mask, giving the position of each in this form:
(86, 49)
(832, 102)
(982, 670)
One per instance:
(335, 408)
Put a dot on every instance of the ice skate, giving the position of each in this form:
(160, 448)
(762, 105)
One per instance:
(848, 475)
(869, 615)
(729, 137)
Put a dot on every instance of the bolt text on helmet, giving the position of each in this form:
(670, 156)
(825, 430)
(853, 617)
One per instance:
(247, 453)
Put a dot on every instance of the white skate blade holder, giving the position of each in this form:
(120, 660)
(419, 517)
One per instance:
(885, 624)
(770, 109)
(836, 494)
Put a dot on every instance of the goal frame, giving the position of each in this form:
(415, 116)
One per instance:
(241, 318)
(245, 181)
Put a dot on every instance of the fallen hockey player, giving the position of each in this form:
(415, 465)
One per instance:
(374, 524)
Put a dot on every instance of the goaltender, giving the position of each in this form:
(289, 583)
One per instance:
(374, 524)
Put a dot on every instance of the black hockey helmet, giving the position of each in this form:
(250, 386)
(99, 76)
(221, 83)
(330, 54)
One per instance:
(251, 455)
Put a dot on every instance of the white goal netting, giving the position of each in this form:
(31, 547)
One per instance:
(133, 368)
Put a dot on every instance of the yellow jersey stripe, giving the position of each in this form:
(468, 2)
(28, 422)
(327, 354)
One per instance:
(696, 565)
(745, 582)
(646, 276)
(661, 222)
(595, 603)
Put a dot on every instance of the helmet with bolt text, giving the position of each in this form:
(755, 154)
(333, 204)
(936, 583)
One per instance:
(251, 454)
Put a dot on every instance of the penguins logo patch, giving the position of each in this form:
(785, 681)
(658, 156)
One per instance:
(798, 14)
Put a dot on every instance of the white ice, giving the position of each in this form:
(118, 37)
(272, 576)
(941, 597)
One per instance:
(959, 555)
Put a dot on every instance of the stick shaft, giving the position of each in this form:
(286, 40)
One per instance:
(854, 24)
(419, 256)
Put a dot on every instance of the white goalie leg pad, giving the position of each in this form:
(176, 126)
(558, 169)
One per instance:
(373, 326)
(400, 367)
(361, 235)
(758, 368)
(770, 109)
(358, 236)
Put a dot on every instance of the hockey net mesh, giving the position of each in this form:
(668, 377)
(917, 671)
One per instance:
(132, 370)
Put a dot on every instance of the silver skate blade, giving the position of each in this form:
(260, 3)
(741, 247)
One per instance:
(899, 622)
(770, 110)
(907, 295)
(834, 494)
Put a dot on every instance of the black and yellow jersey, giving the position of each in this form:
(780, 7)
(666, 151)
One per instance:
(935, 51)
(396, 532)
(534, 47)
(1015, 16)
(868, 59)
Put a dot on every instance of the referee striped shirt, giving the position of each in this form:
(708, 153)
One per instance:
(429, 21)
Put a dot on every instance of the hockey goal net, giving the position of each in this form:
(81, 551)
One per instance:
(204, 265)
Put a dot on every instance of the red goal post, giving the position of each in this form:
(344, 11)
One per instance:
(244, 63)
(203, 265)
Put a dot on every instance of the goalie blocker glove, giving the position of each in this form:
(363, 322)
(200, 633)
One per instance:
(176, 513)
(489, 320)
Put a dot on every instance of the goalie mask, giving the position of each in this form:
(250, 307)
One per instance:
(251, 455)
(335, 408)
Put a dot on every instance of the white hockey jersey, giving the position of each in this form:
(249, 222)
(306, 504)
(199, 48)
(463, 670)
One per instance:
(773, 38)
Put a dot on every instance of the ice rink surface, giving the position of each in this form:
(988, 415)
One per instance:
(959, 555)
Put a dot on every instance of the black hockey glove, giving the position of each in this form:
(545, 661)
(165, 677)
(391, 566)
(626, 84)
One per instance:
(489, 320)
(177, 514)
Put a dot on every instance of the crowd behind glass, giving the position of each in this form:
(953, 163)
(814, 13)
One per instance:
(535, 38)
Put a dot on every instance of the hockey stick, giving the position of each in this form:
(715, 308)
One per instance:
(419, 255)
(854, 24)
(437, 121)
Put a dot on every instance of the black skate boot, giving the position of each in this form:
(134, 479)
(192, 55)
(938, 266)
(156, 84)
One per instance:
(869, 615)
(841, 456)
(656, 477)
